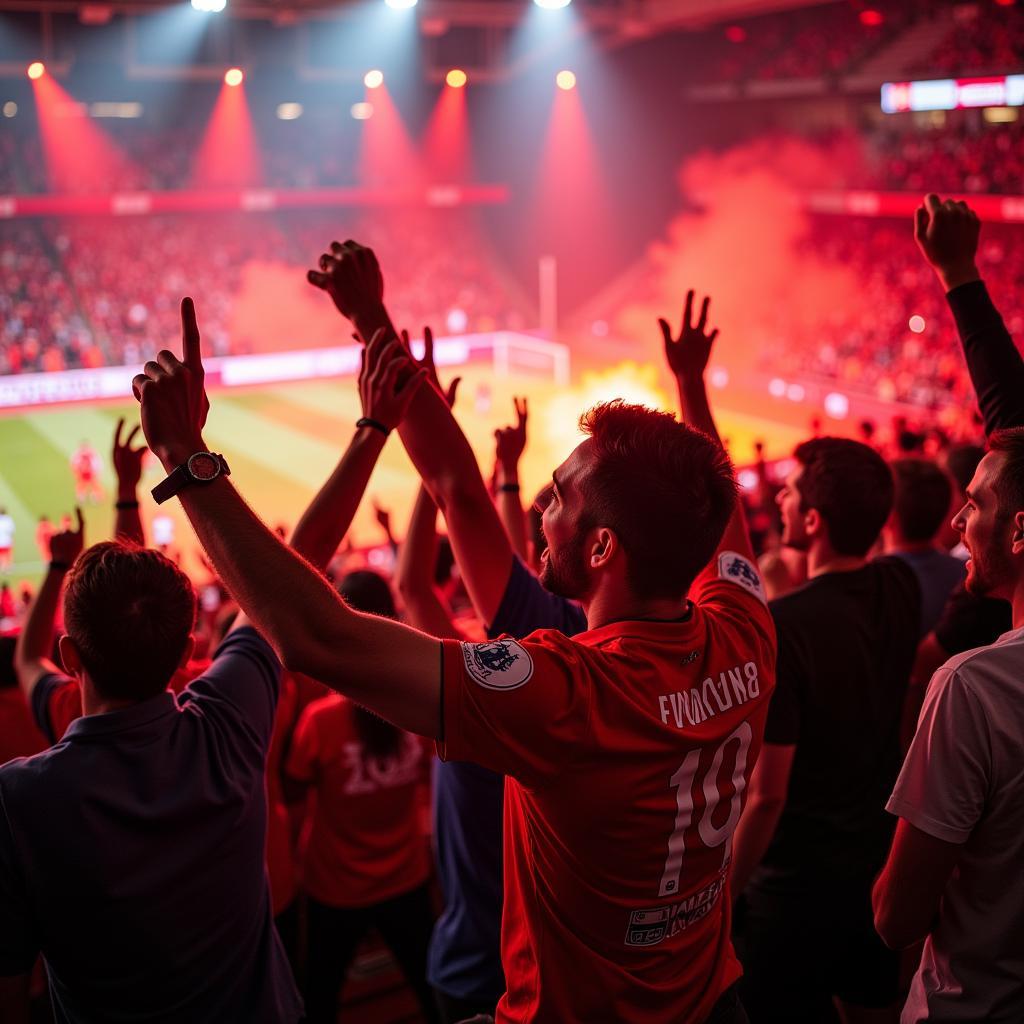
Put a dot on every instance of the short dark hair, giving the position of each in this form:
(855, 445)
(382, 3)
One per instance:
(962, 462)
(922, 496)
(130, 611)
(1009, 485)
(665, 489)
(368, 591)
(851, 487)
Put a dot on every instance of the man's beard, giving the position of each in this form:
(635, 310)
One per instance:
(791, 540)
(984, 575)
(565, 574)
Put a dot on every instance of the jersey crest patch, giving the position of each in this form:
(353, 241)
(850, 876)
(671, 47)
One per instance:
(737, 569)
(498, 664)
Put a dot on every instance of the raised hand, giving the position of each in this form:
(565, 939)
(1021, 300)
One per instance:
(427, 363)
(351, 275)
(172, 394)
(511, 441)
(688, 354)
(383, 517)
(947, 234)
(127, 460)
(388, 380)
(453, 387)
(67, 545)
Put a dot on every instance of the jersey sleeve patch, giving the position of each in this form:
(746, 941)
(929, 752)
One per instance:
(499, 664)
(733, 567)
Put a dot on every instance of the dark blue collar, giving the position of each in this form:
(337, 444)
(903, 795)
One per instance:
(125, 719)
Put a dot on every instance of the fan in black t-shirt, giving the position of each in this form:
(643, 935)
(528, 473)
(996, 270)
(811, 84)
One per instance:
(815, 831)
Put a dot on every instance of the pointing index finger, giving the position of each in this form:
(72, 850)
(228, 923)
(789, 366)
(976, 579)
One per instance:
(81, 521)
(190, 348)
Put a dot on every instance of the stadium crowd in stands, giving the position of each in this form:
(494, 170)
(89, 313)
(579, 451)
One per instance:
(983, 39)
(874, 349)
(87, 292)
(716, 760)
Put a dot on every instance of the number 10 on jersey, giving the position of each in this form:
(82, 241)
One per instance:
(683, 783)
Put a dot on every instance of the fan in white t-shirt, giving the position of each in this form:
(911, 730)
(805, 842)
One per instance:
(954, 875)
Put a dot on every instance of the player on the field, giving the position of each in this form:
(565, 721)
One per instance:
(627, 750)
(86, 467)
(44, 534)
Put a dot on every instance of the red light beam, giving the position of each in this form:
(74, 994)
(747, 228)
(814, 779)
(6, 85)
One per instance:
(79, 156)
(446, 149)
(387, 156)
(229, 154)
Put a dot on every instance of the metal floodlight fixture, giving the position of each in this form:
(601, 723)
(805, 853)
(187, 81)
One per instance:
(209, 6)
(373, 79)
(401, 5)
(552, 5)
(234, 76)
(36, 70)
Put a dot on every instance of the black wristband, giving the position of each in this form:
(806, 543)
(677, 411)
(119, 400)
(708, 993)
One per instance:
(509, 488)
(60, 566)
(365, 421)
(121, 505)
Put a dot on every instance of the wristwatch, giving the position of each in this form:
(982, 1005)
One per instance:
(200, 468)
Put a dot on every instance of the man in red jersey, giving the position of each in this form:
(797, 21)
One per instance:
(628, 749)
(85, 465)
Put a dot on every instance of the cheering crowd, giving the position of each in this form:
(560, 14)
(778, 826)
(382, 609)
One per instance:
(678, 777)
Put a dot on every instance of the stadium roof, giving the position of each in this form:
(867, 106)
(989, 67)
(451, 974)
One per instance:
(632, 18)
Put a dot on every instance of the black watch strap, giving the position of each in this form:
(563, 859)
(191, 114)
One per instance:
(181, 477)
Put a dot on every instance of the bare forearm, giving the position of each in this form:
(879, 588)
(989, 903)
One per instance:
(510, 508)
(374, 661)
(127, 520)
(693, 401)
(330, 514)
(442, 456)
(752, 839)
(36, 640)
(414, 573)
(415, 566)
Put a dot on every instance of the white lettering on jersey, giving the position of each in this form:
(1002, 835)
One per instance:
(651, 926)
(733, 567)
(733, 687)
(499, 664)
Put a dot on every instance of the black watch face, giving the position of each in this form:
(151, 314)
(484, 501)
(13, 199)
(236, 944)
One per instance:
(203, 466)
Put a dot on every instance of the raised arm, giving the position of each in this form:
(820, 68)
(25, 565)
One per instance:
(437, 446)
(509, 444)
(414, 571)
(32, 653)
(128, 467)
(687, 357)
(329, 515)
(384, 665)
(947, 234)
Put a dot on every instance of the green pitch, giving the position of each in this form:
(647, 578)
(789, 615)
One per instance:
(281, 444)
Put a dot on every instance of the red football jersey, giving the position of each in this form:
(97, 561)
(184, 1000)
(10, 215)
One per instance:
(363, 841)
(627, 750)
